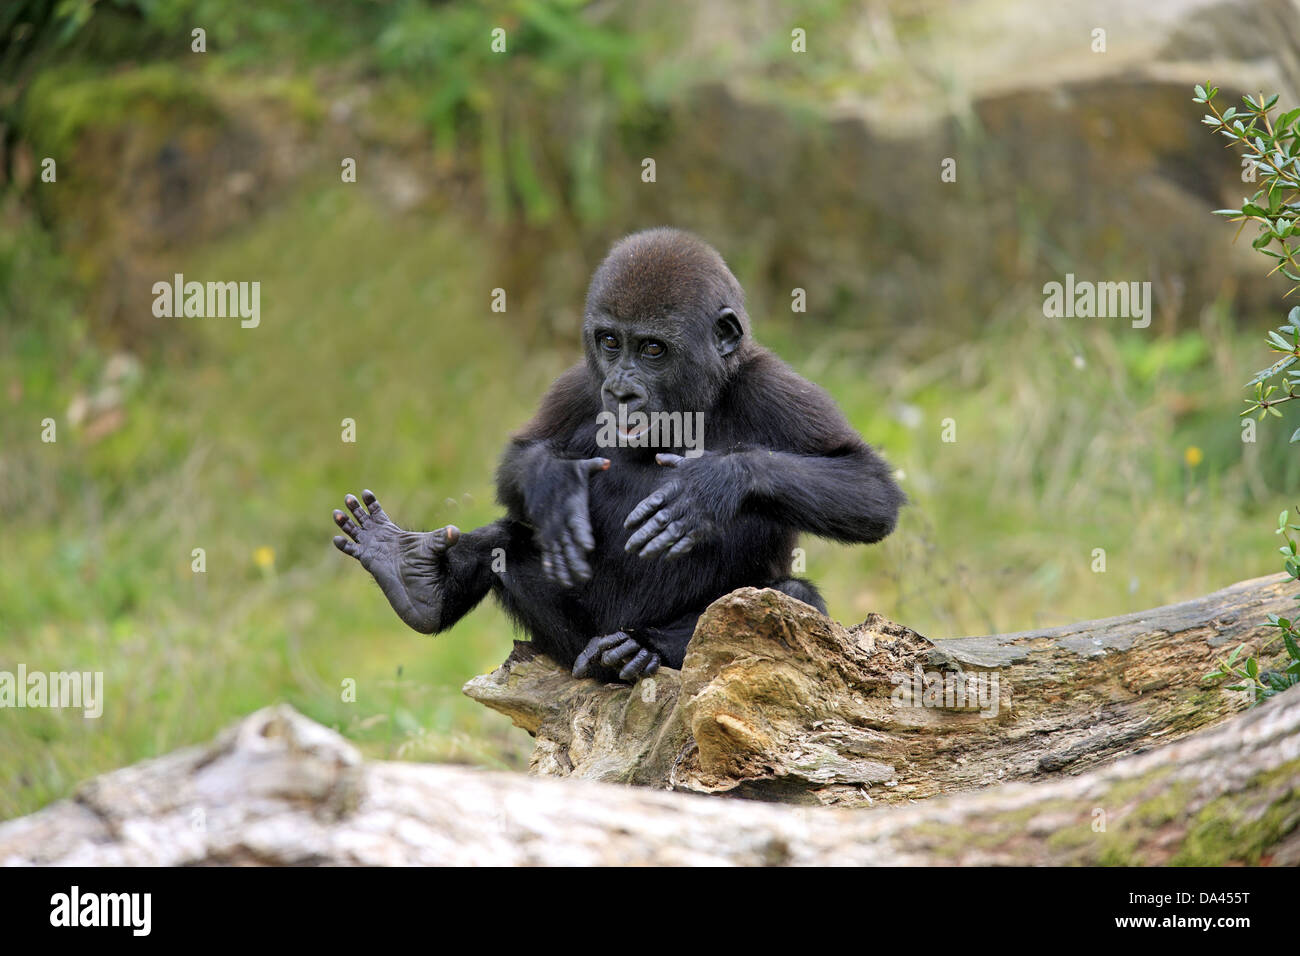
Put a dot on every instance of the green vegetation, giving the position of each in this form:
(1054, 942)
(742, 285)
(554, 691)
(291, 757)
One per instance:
(237, 450)
(1272, 145)
(1069, 437)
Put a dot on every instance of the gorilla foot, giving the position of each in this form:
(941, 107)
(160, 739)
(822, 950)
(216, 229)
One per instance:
(617, 651)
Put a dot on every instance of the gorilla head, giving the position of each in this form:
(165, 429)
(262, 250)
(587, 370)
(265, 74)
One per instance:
(665, 324)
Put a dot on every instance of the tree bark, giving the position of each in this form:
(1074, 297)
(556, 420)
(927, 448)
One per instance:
(277, 789)
(773, 701)
(777, 702)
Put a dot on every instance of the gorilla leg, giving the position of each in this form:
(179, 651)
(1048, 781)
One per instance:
(669, 641)
(638, 651)
(553, 619)
(801, 589)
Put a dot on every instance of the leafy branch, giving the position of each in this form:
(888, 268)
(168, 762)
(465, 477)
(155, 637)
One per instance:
(1270, 149)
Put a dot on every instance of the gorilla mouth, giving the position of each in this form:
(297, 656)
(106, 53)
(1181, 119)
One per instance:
(636, 432)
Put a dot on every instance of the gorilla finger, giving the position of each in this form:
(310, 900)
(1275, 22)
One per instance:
(612, 656)
(346, 546)
(664, 540)
(445, 538)
(355, 507)
(580, 525)
(648, 531)
(646, 508)
(610, 640)
(681, 547)
(560, 569)
(372, 503)
(344, 522)
(563, 548)
(651, 667)
(589, 466)
(667, 460)
(635, 666)
(582, 666)
(595, 647)
(577, 564)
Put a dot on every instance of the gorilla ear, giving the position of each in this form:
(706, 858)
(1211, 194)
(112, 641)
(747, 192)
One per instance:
(727, 332)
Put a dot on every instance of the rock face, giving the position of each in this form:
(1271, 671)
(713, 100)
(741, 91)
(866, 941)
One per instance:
(776, 702)
(1073, 142)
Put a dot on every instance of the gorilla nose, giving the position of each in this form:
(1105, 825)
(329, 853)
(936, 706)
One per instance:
(632, 398)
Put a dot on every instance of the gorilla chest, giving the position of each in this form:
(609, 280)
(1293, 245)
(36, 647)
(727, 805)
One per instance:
(747, 550)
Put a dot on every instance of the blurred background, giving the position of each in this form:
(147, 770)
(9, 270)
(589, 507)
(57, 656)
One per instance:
(475, 170)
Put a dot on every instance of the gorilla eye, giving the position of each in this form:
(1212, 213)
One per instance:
(653, 349)
(608, 342)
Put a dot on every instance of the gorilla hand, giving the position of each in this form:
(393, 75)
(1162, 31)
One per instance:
(617, 650)
(685, 511)
(409, 566)
(564, 532)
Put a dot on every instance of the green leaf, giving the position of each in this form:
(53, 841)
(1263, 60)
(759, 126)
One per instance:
(1278, 366)
(1292, 648)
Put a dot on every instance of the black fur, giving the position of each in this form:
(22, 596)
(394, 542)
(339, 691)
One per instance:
(779, 459)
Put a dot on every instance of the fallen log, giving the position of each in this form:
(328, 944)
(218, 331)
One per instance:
(278, 789)
(776, 702)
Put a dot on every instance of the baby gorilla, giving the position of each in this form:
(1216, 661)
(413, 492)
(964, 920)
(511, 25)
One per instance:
(623, 522)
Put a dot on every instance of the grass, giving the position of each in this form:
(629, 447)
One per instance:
(1070, 436)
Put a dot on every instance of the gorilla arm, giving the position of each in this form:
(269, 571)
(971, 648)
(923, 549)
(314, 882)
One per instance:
(542, 488)
(801, 465)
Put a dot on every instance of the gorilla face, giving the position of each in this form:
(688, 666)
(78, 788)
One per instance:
(661, 366)
(664, 323)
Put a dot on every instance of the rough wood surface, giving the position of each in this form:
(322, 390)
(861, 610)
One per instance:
(279, 789)
(777, 702)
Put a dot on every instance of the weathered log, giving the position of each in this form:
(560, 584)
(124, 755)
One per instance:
(279, 789)
(775, 701)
